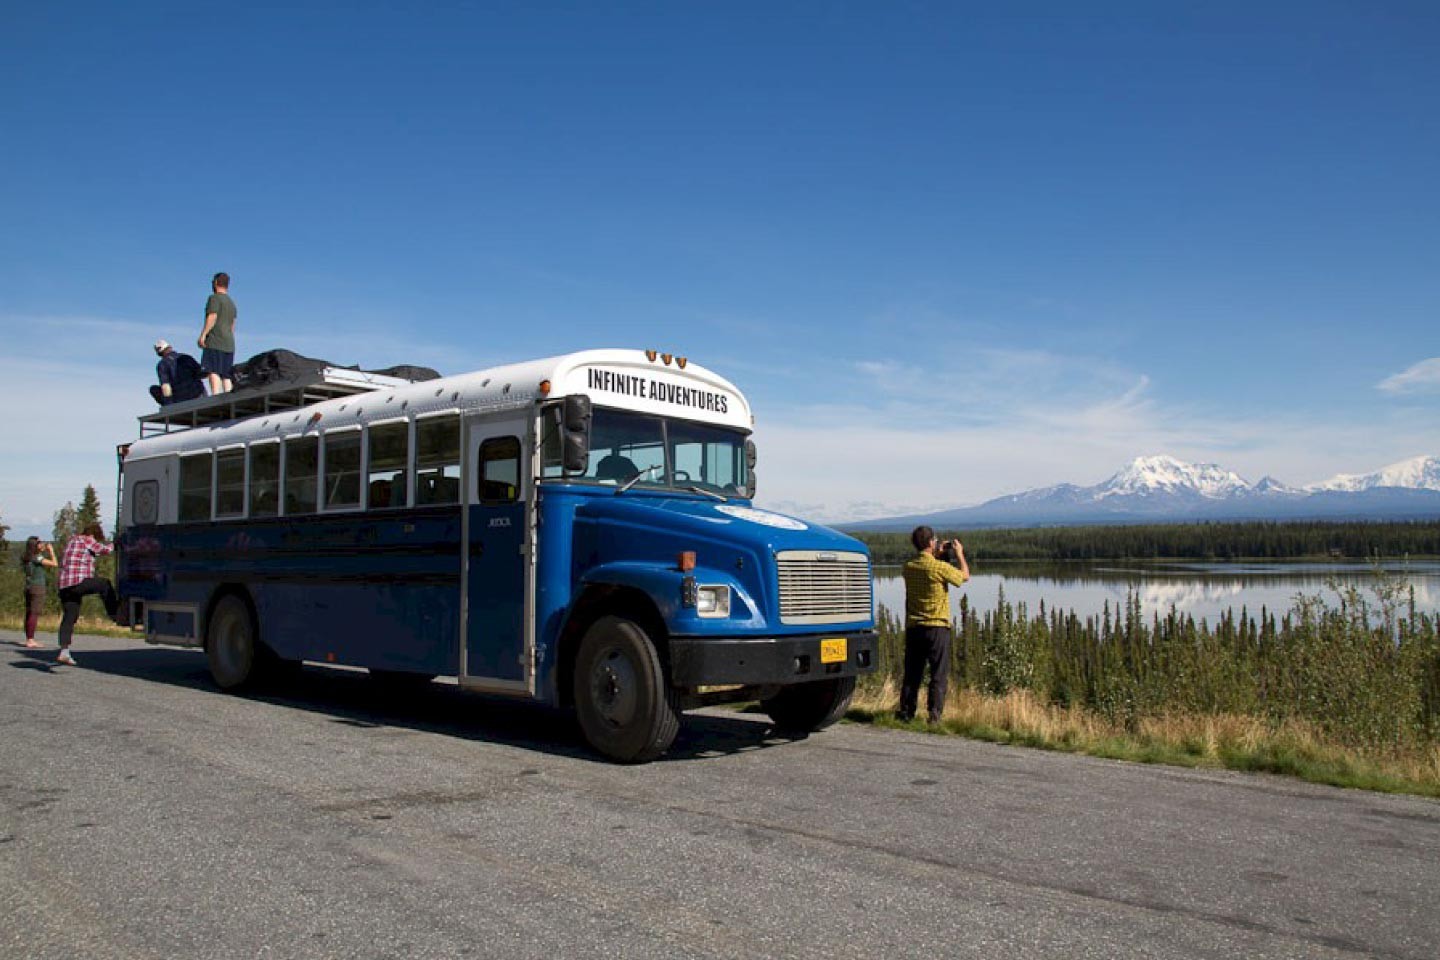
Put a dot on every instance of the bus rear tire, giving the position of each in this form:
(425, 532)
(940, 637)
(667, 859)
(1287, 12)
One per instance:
(806, 707)
(231, 644)
(626, 707)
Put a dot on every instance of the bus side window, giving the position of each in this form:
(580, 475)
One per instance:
(342, 469)
(265, 480)
(389, 458)
(302, 463)
(437, 460)
(195, 487)
(230, 483)
(499, 471)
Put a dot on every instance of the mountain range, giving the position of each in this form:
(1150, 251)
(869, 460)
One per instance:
(1162, 489)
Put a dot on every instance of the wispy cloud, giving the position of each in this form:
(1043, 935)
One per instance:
(1069, 422)
(1420, 378)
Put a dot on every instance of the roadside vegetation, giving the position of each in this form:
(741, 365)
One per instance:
(1344, 691)
(68, 520)
(1184, 541)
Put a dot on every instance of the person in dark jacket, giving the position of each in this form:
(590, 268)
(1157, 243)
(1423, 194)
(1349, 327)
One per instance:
(179, 376)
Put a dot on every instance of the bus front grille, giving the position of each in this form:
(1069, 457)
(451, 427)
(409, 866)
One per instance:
(824, 586)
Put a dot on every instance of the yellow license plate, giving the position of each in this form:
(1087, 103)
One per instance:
(832, 651)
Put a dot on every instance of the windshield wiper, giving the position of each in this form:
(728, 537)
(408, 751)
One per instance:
(639, 474)
(709, 493)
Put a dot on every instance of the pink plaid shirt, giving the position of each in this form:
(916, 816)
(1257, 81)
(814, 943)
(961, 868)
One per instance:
(78, 563)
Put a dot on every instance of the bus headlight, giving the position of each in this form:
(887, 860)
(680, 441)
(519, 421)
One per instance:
(712, 601)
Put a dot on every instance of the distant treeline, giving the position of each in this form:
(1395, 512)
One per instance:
(1183, 541)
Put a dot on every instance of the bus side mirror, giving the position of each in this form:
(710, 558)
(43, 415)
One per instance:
(750, 454)
(576, 452)
(577, 414)
(750, 486)
(575, 434)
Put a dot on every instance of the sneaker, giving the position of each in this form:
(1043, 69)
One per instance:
(66, 658)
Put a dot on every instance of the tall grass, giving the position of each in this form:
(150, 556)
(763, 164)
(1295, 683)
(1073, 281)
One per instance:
(1342, 690)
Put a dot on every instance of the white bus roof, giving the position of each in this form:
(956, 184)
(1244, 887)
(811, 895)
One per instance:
(637, 380)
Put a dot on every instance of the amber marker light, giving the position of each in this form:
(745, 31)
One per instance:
(687, 561)
(680, 362)
(667, 358)
(650, 355)
(544, 388)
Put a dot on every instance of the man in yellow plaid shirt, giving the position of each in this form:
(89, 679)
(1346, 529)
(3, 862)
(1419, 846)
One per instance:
(937, 567)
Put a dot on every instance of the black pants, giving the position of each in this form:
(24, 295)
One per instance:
(70, 598)
(925, 646)
(176, 396)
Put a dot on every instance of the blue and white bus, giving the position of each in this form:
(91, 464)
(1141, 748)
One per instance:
(576, 530)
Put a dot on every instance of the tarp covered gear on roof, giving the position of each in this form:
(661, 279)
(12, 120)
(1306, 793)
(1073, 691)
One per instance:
(281, 366)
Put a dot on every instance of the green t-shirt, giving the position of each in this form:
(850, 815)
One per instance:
(222, 335)
(34, 573)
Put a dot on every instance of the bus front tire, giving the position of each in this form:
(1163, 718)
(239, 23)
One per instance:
(231, 644)
(626, 707)
(805, 707)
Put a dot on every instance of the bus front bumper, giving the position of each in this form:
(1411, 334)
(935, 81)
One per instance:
(771, 660)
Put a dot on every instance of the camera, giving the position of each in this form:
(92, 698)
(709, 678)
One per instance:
(948, 553)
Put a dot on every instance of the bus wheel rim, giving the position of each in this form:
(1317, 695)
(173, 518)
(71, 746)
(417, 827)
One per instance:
(615, 688)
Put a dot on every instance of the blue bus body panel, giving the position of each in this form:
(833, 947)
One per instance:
(382, 589)
(495, 634)
(377, 591)
(634, 539)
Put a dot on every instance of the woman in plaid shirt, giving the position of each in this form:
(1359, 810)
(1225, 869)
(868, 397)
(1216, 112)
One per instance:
(77, 580)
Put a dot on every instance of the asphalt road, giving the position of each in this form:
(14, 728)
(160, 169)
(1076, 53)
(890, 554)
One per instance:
(143, 814)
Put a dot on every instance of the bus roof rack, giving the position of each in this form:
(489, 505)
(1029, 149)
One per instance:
(325, 384)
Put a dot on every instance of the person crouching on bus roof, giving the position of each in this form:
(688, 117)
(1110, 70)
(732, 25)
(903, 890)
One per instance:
(217, 338)
(179, 376)
(937, 566)
(78, 580)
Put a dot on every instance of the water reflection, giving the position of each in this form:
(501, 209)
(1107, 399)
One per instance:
(1199, 589)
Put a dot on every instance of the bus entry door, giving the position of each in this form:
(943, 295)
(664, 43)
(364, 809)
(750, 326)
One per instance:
(496, 645)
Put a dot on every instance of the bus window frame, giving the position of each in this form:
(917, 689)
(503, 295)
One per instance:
(322, 500)
(297, 439)
(244, 511)
(419, 419)
(180, 486)
(519, 485)
(279, 444)
(408, 468)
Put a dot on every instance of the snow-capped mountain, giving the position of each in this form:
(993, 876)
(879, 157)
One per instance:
(1417, 473)
(1269, 484)
(1159, 489)
(1162, 475)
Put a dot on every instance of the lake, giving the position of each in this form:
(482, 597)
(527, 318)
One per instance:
(1196, 588)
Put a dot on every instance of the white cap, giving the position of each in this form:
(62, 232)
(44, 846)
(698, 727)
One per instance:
(161, 346)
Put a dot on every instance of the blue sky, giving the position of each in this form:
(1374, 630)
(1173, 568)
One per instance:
(949, 250)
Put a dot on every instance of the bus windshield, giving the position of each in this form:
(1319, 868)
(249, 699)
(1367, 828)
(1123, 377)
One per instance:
(656, 452)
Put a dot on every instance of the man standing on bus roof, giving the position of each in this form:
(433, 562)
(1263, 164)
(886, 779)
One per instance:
(217, 339)
(937, 567)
